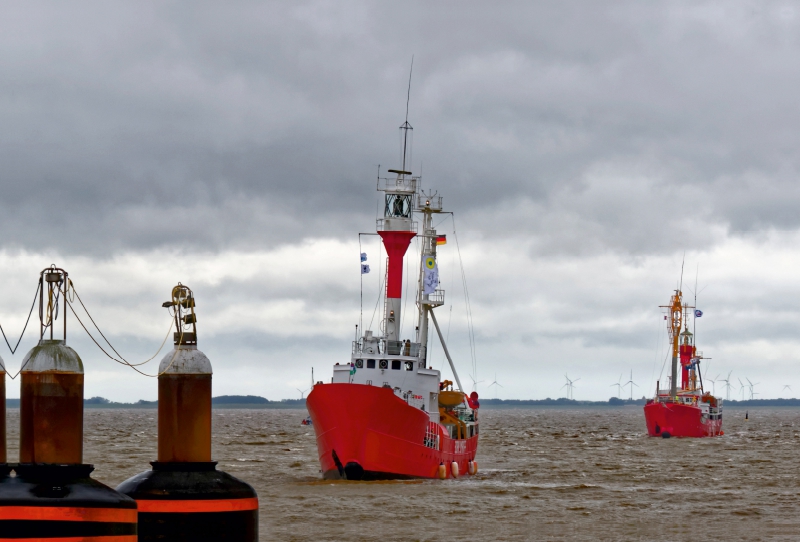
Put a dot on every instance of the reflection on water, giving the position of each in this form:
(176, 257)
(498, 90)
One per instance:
(544, 474)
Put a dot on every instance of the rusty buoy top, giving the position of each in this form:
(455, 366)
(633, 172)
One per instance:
(51, 405)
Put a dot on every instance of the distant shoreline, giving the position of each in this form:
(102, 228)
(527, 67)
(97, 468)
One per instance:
(256, 402)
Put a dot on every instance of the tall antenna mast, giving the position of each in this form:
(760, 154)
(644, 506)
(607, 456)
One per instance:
(694, 319)
(406, 126)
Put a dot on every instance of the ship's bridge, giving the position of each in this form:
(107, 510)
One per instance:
(395, 365)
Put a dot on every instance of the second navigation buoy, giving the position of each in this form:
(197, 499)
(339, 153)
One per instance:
(185, 497)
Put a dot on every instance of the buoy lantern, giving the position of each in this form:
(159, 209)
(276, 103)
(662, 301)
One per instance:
(52, 496)
(184, 497)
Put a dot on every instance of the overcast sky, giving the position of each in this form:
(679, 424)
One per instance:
(584, 147)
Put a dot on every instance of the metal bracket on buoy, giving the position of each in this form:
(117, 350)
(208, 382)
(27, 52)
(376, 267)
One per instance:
(52, 283)
(183, 304)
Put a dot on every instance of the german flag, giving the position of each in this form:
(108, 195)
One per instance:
(441, 240)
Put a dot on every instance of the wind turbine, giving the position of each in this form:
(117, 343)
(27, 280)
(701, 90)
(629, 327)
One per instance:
(475, 383)
(619, 387)
(741, 388)
(752, 393)
(495, 383)
(727, 386)
(630, 383)
(302, 393)
(569, 385)
(787, 386)
(713, 385)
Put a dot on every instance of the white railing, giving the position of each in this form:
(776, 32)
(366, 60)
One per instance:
(432, 436)
(434, 203)
(389, 348)
(398, 184)
(436, 298)
(380, 224)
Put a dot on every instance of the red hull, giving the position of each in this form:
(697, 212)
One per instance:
(367, 432)
(679, 421)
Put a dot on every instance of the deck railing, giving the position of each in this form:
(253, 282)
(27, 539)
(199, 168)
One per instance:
(432, 435)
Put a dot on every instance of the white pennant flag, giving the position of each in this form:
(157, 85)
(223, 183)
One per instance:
(431, 276)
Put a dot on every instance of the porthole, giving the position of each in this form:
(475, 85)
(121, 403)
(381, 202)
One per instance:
(384, 364)
(359, 364)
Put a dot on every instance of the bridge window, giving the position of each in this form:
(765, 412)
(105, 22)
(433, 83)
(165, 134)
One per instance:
(370, 364)
(396, 363)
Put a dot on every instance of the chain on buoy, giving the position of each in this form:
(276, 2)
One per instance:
(184, 496)
(51, 495)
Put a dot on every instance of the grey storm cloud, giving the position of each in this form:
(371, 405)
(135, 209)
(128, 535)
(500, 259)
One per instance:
(590, 126)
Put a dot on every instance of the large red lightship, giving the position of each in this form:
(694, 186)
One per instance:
(386, 414)
(687, 411)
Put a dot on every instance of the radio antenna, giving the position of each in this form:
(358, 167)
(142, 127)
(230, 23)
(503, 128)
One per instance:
(406, 126)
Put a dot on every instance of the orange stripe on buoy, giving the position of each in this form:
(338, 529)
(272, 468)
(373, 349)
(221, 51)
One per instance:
(110, 538)
(190, 506)
(58, 513)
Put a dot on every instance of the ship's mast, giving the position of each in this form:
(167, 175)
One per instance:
(428, 250)
(396, 228)
(675, 320)
(428, 205)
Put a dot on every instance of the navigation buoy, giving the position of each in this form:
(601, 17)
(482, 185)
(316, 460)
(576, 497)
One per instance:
(52, 496)
(746, 415)
(184, 496)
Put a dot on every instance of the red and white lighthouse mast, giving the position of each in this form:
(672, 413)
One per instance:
(396, 228)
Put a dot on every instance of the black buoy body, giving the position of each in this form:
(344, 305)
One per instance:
(51, 495)
(184, 497)
(193, 501)
(51, 502)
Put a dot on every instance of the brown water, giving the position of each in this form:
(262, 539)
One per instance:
(544, 475)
